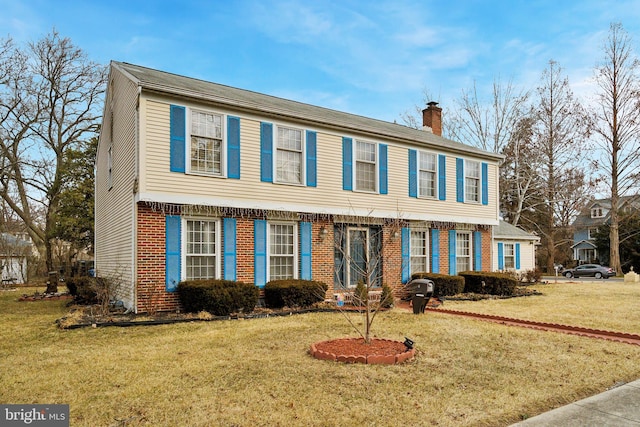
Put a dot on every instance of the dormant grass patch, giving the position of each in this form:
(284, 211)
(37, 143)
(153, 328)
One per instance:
(259, 373)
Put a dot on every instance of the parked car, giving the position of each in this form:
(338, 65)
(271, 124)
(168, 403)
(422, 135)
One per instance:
(590, 270)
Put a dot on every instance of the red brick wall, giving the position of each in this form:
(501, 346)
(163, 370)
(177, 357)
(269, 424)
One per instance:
(322, 254)
(392, 257)
(150, 286)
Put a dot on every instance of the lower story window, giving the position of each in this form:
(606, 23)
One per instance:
(509, 256)
(201, 249)
(463, 251)
(282, 253)
(419, 251)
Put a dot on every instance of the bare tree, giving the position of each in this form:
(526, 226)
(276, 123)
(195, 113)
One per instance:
(560, 129)
(617, 126)
(49, 102)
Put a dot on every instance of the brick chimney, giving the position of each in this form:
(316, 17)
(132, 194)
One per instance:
(432, 118)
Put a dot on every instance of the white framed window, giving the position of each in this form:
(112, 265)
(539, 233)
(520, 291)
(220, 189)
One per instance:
(597, 212)
(427, 175)
(509, 255)
(463, 251)
(472, 181)
(366, 166)
(283, 241)
(206, 147)
(289, 155)
(201, 249)
(419, 247)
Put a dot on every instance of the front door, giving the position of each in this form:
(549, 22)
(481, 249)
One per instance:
(357, 255)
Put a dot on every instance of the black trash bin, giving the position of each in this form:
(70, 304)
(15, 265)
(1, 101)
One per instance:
(421, 291)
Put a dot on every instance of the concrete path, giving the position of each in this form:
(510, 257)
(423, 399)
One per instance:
(618, 407)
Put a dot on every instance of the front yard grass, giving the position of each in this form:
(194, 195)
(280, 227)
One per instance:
(258, 372)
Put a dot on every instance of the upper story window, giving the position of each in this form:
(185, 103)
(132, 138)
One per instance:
(427, 170)
(472, 181)
(597, 212)
(206, 143)
(366, 166)
(289, 156)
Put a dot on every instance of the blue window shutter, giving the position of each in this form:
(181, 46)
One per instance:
(266, 152)
(260, 252)
(500, 256)
(477, 251)
(347, 164)
(406, 255)
(305, 251)
(384, 173)
(172, 252)
(517, 256)
(442, 177)
(413, 173)
(177, 132)
(460, 180)
(312, 179)
(452, 253)
(435, 251)
(233, 147)
(230, 257)
(485, 184)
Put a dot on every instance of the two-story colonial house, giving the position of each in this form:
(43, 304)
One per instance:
(199, 180)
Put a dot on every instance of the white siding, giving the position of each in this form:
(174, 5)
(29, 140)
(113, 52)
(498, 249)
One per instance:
(114, 210)
(527, 254)
(159, 184)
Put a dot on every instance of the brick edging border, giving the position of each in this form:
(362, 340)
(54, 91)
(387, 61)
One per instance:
(372, 359)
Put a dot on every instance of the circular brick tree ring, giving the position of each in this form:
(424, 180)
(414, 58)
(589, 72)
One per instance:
(355, 350)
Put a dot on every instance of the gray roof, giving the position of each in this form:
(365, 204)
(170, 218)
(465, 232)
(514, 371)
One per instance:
(244, 100)
(506, 230)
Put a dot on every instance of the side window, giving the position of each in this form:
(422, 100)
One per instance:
(509, 256)
(206, 148)
(289, 155)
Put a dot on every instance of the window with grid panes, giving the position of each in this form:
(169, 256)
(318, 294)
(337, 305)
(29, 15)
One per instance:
(289, 156)
(419, 251)
(201, 249)
(365, 166)
(427, 175)
(463, 251)
(282, 251)
(472, 181)
(509, 255)
(206, 143)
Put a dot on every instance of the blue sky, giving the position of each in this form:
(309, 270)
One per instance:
(372, 58)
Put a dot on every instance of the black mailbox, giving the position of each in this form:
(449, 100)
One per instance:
(421, 291)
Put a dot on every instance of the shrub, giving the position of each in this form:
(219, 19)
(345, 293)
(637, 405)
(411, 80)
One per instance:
(293, 293)
(84, 289)
(360, 295)
(218, 297)
(443, 285)
(481, 282)
(386, 299)
(532, 276)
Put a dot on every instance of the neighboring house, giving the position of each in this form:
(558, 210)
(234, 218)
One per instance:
(515, 249)
(13, 258)
(199, 180)
(594, 215)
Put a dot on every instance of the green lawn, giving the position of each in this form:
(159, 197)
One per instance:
(258, 372)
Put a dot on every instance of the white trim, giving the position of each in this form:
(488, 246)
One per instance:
(183, 244)
(306, 207)
(303, 152)
(223, 142)
(437, 174)
(296, 247)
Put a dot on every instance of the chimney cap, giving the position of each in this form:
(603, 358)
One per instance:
(432, 104)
